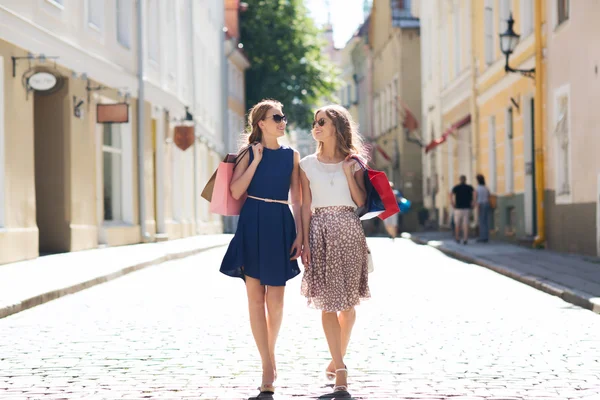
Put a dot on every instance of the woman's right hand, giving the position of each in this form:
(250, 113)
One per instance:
(306, 256)
(257, 152)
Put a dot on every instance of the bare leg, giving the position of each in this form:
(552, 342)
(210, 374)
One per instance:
(274, 317)
(457, 226)
(346, 319)
(258, 323)
(391, 231)
(332, 329)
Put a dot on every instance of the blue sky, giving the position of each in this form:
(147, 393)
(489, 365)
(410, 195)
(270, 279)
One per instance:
(346, 16)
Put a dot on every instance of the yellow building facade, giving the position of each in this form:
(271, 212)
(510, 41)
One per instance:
(506, 105)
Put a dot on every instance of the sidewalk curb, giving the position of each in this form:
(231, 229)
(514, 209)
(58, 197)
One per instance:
(55, 294)
(549, 287)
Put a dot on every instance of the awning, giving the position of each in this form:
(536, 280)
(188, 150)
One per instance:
(457, 125)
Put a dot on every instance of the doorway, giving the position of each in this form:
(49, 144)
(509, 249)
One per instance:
(51, 156)
(529, 159)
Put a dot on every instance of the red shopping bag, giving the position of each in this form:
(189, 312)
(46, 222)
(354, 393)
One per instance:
(217, 189)
(382, 185)
(383, 202)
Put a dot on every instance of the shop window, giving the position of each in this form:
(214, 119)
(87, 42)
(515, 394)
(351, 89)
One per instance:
(112, 152)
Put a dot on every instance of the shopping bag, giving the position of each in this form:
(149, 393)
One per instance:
(381, 201)
(217, 191)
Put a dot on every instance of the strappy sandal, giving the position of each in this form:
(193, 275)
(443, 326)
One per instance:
(340, 390)
(267, 389)
(331, 375)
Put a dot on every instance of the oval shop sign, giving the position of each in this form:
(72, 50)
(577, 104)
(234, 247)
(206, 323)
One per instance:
(42, 81)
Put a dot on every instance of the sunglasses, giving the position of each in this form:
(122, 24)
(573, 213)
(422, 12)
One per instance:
(278, 118)
(321, 122)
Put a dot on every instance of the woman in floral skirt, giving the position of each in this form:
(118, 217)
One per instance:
(335, 248)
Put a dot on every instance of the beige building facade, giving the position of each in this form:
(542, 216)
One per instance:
(394, 40)
(69, 183)
(572, 191)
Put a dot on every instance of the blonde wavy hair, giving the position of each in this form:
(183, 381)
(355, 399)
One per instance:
(349, 141)
(257, 113)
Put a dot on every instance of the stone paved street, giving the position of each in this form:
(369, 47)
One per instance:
(435, 329)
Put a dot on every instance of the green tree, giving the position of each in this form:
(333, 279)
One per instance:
(284, 48)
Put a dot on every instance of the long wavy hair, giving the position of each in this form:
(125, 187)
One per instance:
(349, 141)
(257, 113)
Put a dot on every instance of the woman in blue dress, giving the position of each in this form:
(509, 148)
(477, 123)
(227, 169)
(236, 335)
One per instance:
(268, 239)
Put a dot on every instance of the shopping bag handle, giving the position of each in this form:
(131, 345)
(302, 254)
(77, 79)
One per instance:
(360, 162)
(239, 157)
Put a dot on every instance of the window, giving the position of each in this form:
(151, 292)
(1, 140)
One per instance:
(489, 31)
(395, 102)
(2, 161)
(112, 151)
(526, 17)
(563, 10)
(445, 44)
(493, 176)
(349, 95)
(124, 22)
(177, 182)
(96, 14)
(172, 40)
(153, 30)
(388, 107)
(376, 115)
(509, 173)
(428, 49)
(563, 144)
(503, 15)
(457, 40)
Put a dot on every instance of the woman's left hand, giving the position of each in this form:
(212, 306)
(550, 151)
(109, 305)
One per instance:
(348, 165)
(296, 249)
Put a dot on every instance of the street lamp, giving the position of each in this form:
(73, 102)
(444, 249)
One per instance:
(508, 43)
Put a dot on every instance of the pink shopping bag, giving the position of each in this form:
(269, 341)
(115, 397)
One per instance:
(221, 200)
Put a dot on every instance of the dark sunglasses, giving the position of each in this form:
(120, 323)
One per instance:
(278, 118)
(321, 122)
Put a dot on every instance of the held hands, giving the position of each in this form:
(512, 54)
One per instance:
(257, 152)
(306, 256)
(296, 249)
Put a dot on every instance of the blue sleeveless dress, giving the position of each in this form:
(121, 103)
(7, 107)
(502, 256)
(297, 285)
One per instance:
(263, 240)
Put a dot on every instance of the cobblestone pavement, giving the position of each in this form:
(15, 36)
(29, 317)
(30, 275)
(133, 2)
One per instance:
(435, 329)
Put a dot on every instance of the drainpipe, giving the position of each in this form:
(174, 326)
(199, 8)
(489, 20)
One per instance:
(474, 111)
(228, 222)
(475, 131)
(540, 239)
(193, 107)
(140, 125)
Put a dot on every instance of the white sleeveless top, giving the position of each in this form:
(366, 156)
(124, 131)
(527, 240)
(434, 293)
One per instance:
(328, 183)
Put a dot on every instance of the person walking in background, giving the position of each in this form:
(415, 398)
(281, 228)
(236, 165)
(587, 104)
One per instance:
(463, 200)
(483, 209)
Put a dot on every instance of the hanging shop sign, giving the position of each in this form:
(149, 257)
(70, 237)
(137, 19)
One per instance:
(184, 136)
(42, 80)
(112, 113)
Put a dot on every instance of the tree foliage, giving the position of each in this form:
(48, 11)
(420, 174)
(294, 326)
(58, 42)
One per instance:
(284, 48)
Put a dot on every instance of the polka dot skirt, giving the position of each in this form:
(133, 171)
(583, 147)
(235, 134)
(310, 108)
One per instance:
(337, 278)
